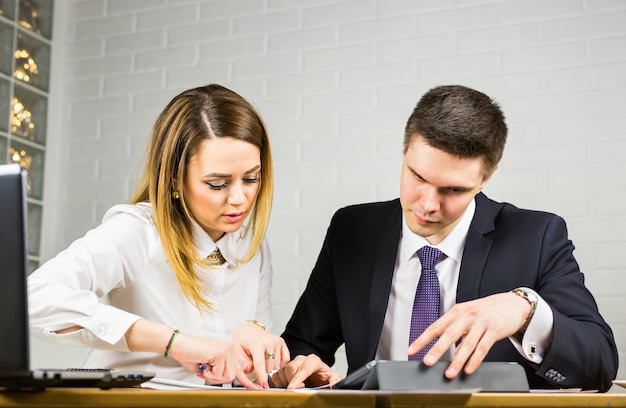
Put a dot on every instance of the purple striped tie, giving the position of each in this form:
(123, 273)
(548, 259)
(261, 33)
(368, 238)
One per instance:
(427, 298)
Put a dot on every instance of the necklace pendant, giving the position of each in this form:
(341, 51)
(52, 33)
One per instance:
(215, 258)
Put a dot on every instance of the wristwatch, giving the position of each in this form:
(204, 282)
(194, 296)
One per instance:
(532, 299)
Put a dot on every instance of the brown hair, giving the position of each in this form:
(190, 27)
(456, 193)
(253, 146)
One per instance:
(460, 121)
(191, 117)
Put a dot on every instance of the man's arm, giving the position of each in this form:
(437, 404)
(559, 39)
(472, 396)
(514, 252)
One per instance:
(582, 352)
(347, 293)
(313, 333)
(314, 327)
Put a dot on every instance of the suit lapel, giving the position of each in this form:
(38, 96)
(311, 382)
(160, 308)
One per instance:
(477, 247)
(385, 259)
(473, 263)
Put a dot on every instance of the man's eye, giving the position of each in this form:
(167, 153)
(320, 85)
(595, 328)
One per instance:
(455, 190)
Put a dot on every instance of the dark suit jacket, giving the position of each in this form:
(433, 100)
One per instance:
(347, 293)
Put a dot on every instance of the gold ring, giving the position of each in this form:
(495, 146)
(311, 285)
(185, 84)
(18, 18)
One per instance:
(270, 356)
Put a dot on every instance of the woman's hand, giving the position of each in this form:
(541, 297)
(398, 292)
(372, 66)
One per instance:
(260, 351)
(217, 357)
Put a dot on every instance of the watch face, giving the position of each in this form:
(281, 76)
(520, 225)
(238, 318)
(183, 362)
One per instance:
(529, 296)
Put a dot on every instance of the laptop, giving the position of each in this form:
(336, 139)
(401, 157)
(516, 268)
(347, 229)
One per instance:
(15, 372)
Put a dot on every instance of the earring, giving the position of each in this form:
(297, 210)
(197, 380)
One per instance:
(175, 195)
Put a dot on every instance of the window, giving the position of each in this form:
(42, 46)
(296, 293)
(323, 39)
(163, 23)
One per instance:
(25, 44)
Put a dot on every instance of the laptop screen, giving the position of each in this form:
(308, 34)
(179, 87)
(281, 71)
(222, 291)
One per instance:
(14, 340)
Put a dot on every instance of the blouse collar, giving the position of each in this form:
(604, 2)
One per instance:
(232, 245)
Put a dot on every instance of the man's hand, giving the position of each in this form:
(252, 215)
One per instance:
(479, 324)
(310, 371)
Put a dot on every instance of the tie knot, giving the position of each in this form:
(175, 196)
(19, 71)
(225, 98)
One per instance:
(429, 257)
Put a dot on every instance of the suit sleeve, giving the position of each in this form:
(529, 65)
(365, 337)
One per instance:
(315, 326)
(583, 351)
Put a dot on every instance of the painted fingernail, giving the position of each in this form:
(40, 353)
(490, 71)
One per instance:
(201, 367)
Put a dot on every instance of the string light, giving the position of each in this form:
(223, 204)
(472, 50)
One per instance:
(21, 157)
(21, 120)
(25, 66)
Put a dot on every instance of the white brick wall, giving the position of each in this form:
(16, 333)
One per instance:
(335, 81)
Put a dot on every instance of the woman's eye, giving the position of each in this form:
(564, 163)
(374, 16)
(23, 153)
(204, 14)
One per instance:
(216, 186)
(252, 180)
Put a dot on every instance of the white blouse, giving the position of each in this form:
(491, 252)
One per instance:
(118, 273)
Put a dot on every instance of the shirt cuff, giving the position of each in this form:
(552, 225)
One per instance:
(538, 335)
(109, 324)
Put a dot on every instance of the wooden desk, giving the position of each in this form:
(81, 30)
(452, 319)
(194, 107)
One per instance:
(87, 397)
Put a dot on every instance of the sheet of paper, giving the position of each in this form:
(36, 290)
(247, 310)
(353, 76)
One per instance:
(157, 383)
(621, 383)
(560, 390)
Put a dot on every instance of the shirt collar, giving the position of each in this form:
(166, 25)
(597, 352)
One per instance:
(233, 245)
(452, 245)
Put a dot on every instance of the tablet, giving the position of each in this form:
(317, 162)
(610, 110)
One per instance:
(356, 379)
(416, 376)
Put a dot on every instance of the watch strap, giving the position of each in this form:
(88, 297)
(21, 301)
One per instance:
(532, 300)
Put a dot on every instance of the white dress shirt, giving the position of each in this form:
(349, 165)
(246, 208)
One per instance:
(118, 273)
(394, 339)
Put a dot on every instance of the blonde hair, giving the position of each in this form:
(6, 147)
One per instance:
(190, 118)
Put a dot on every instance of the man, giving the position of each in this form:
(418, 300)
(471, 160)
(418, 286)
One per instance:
(510, 288)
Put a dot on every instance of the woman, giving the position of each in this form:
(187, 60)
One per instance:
(173, 282)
